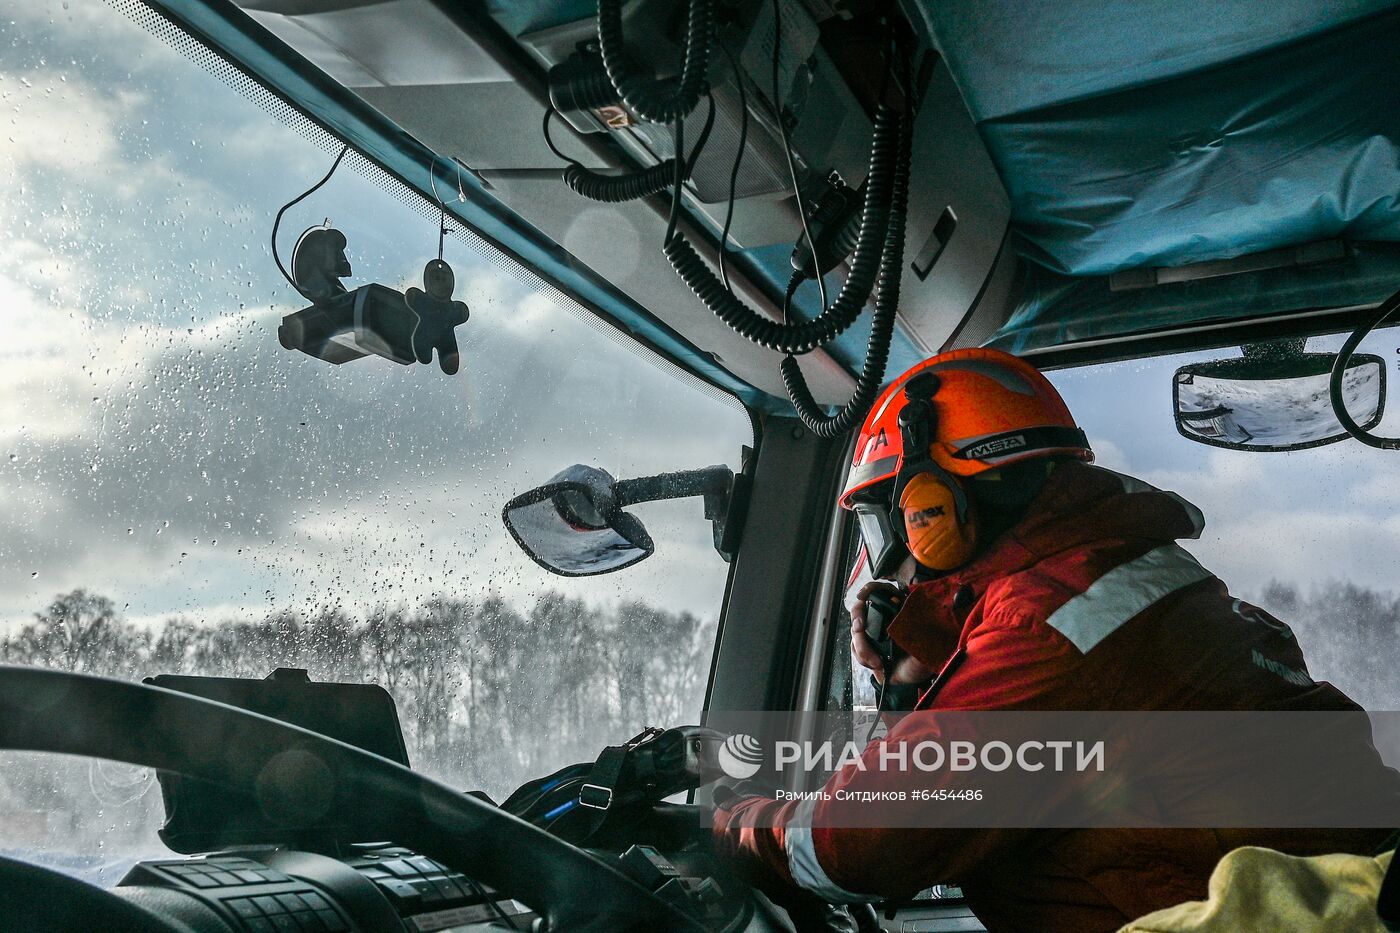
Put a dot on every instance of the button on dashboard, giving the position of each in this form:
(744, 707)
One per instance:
(268, 904)
(398, 889)
(306, 920)
(400, 867)
(332, 921)
(315, 901)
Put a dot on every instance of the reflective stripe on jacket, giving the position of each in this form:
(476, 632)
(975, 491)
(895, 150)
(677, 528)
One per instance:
(1087, 604)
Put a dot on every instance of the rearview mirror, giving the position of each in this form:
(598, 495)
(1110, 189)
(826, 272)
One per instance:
(574, 525)
(1274, 398)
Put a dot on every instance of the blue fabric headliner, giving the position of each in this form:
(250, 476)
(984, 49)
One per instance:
(1011, 56)
(518, 17)
(1163, 133)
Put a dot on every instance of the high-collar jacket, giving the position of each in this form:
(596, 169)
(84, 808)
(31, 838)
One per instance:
(1088, 603)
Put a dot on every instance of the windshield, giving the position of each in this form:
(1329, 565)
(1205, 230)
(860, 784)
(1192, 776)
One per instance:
(178, 493)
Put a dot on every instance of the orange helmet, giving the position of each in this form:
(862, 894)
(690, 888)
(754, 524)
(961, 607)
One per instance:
(990, 410)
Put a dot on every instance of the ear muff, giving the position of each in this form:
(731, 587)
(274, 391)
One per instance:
(935, 536)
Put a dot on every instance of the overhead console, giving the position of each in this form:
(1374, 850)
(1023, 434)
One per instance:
(829, 128)
(477, 90)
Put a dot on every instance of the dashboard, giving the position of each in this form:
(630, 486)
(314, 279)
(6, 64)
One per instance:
(645, 867)
(372, 887)
(458, 862)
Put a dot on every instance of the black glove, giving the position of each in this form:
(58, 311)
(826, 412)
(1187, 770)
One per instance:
(728, 790)
(899, 698)
(809, 915)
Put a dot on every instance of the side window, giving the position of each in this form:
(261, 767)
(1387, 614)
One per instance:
(848, 685)
(1306, 534)
(178, 493)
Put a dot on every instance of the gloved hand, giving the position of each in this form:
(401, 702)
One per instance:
(740, 807)
(743, 835)
(810, 915)
(728, 791)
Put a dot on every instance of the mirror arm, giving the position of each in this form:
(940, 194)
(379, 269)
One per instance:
(725, 495)
(1274, 351)
(1334, 388)
(710, 481)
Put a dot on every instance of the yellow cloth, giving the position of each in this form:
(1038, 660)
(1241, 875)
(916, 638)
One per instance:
(1256, 890)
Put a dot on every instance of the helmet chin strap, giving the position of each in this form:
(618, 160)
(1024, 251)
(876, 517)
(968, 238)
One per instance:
(917, 423)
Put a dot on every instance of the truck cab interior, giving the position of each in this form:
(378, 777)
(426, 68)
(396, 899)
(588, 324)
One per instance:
(410, 403)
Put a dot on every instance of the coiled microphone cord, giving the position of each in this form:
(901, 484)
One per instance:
(882, 328)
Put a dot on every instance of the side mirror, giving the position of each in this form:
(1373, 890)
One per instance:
(1274, 398)
(574, 525)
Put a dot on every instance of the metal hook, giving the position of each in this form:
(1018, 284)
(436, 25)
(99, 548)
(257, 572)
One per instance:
(432, 180)
(442, 208)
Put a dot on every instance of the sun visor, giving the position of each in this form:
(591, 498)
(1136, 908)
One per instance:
(1059, 309)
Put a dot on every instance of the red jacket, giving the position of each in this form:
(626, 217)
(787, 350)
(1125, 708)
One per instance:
(1087, 604)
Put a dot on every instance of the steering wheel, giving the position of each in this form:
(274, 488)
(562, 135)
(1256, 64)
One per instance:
(37, 898)
(297, 773)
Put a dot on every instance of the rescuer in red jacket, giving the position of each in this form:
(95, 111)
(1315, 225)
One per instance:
(1035, 582)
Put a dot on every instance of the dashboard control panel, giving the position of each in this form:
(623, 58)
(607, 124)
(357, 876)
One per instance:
(432, 897)
(248, 894)
(368, 887)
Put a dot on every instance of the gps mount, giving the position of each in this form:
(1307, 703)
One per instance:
(373, 319)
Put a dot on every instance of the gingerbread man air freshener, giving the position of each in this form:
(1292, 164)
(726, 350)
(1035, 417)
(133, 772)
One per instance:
(436, 315)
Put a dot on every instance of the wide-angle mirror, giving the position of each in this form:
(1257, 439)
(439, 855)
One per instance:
(1274, 398)
(574, 525)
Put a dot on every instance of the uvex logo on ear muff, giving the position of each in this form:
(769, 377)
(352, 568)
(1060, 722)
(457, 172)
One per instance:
(934, 534)
(938, 524)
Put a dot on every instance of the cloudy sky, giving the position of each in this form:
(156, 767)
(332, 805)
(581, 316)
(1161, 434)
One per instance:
(158, 445)
(1304, 518)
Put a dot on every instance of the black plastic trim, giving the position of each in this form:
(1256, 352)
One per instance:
(1309, 323)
